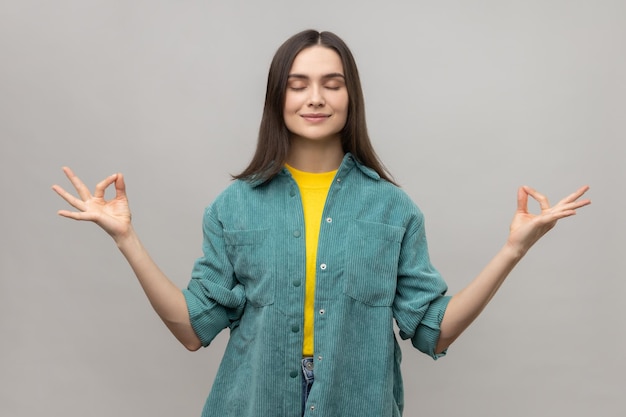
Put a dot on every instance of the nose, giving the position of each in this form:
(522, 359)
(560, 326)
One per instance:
(316, 99)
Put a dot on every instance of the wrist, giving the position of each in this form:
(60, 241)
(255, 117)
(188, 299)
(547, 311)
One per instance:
(513, 251)
(127, 239)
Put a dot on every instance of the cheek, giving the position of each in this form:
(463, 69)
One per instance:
(341, 106)
(344, 114)
(342, 102)
(289, 112)
(292, 104)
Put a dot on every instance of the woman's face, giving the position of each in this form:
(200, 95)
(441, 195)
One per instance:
(316, 100)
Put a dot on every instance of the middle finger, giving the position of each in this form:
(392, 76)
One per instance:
(81, 189)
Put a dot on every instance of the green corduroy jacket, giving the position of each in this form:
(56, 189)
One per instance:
(373, 268)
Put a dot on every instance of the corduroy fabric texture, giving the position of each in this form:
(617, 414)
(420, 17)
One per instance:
(373, 267)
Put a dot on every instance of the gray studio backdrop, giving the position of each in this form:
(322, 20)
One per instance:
(466, 101)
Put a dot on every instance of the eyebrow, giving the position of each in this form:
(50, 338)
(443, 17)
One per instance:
(325, 77)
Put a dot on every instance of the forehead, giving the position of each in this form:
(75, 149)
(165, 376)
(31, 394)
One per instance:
(317, 60)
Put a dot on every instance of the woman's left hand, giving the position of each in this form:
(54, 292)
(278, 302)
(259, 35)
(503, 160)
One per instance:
(527, 228)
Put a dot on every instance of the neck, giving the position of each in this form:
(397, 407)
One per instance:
(315, 155)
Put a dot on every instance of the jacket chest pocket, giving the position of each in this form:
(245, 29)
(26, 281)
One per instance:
(372, 263)
(251, 255)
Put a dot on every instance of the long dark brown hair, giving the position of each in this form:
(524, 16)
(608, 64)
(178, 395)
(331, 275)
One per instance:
(273, 141)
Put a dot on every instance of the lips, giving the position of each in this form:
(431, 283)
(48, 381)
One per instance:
(315, 117)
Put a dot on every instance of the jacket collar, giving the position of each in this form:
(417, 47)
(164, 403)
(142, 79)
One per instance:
(348, 162)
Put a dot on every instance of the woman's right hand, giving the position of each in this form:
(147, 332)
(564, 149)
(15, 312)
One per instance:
(112, 215)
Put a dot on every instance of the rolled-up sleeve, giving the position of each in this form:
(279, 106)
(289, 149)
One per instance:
(214, 298)
(420, 300)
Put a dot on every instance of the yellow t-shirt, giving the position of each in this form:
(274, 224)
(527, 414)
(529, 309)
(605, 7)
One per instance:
(313, 191)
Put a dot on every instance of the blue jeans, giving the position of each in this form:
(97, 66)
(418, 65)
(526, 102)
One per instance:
(307, 379)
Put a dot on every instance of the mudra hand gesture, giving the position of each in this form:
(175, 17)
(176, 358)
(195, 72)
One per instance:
(115, 218)
(527, 228)
(113, 215)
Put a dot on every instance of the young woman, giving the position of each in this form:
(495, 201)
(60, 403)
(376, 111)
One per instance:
(311, 253)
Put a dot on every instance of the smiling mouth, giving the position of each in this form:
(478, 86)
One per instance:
(315, 117)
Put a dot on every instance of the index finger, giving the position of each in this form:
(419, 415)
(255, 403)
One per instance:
(102, 185)
(544, 204)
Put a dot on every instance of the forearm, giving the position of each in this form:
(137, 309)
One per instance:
(167, 300)
(467, 304)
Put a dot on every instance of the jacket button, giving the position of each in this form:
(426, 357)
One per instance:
(295, 328)
(296, 233)
(293, 374)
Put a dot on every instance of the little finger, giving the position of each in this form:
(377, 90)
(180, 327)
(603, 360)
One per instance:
(75, 215)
